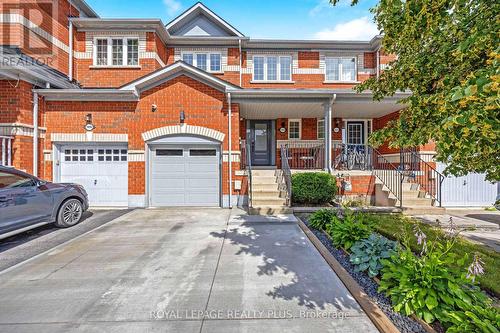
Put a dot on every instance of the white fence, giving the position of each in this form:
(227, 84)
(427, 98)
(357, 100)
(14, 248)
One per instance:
(6, 150)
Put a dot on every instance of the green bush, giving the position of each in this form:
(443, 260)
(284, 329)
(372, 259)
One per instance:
(366, 254)
(348, 230)
(313, 188)
(426, 286)
(320, 218)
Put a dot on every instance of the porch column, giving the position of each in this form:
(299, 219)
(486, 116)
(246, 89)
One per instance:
(328, 134)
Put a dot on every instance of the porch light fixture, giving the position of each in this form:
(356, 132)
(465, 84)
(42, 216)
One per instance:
(182, 117)
(154, 107)
(88, 123)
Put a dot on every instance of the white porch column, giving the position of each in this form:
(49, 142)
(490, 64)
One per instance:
(328, 134)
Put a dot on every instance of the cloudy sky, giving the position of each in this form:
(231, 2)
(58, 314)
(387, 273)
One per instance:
(292, 19)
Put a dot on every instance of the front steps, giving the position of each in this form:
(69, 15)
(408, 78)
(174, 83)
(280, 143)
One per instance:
(415, 200)
(267, 199)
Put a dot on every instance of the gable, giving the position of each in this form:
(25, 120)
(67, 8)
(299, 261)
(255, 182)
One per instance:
(201, 26)
(199, 21)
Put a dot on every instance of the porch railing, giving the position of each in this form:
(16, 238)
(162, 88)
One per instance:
(304, 155)
(352, 157)
(389, 174)
(286, 173)
(418, 171)
(6, 150)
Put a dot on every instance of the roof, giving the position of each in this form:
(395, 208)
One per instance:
(172, 71)
(88, 24)
(88, 95)
(200, 9)
(84, 7)
(16, 65)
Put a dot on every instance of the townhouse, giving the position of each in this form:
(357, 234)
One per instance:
(145, 114)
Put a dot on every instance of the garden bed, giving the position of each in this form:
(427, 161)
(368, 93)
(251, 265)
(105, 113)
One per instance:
(412, 271)
(403, 323)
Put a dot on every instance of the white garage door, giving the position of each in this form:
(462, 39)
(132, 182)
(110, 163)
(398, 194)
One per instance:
(185, 175)
(472, 190)
(101, 170)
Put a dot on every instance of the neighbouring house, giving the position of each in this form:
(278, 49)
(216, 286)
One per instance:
(147, 115)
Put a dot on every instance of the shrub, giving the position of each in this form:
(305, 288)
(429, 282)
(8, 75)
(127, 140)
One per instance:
(313, 188)
(320, 218)
(426, 286)
(366, 254)
(348, 230)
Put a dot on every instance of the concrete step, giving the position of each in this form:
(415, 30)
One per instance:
(419, 210)
(268, 201)
(270, 210)
(410, 186)
(425, 202)
(413, 194)
(266, 193)
(264, 187)
(266, 173)
(264, 180)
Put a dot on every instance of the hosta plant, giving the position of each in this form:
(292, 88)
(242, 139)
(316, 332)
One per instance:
(366, 254)
(426, 286)
(347, 230)
(320, 218)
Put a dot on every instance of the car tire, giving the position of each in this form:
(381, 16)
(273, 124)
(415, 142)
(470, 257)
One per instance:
(70, 213)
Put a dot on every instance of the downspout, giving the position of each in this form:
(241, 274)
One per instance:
(229, 151)
(241, 61)
(378, 62)
(329, 141)
(35, 133)
(70, 65)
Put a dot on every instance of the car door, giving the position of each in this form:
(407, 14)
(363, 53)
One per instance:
(22, 201)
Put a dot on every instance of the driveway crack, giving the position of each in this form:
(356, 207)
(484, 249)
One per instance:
(216, 269)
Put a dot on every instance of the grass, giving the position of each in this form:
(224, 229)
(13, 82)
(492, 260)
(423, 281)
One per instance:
(392, 227)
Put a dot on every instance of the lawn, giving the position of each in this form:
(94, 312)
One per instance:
(392, 226)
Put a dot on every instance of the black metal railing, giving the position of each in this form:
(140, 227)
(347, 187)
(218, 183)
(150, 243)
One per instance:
(248, 166)
(352, 157)
(305, 155)
(286, 173)
(389, 174)
(421, 172)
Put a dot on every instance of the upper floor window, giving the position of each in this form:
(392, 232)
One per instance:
(294, 129)
(210, 62)
(340, 69)
(116, 52)
(272, 68)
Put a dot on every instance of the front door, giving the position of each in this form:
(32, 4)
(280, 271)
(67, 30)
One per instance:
(260, 141)
(355, 133)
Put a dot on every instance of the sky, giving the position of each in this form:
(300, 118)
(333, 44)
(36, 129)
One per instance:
(292, 19)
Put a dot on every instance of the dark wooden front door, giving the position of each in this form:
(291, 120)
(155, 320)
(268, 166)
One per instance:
(260, 141)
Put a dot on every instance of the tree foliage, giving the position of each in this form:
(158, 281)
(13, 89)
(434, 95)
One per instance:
(448, 57)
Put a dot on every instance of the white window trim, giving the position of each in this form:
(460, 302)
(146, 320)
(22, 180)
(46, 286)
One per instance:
(278, 69)
(208, 53)
(317, 128)
(340, 70)
(110, 52)
(300, 128)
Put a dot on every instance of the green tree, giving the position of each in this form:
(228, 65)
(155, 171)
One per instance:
(448, 56)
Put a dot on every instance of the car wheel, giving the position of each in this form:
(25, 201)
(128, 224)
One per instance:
(70, 213)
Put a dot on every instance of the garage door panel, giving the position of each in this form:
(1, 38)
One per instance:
(188, 180)
(101, 170)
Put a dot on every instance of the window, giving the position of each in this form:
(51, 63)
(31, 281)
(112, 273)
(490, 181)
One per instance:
(210, 62)
(294, 129)
(202, 152)
(132, 52)
(169, 152)
(102, 52)
(321, 128)
(272, 68)
(12, 180)
(116, 52)
(340, 69)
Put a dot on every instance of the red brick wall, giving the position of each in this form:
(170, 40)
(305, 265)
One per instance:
(361, 185)
(203, 106)
(308, 59)
(370, 59)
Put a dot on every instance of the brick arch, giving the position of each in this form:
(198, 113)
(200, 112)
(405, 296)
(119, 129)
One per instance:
(183, 130)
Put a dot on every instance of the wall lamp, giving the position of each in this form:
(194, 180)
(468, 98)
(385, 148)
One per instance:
(182, 117)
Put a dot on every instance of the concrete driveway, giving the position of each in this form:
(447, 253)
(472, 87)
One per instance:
(180, 270)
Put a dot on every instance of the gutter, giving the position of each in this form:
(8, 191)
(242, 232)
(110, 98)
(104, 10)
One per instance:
(70, 76)
(35, 133)
(241, 60)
